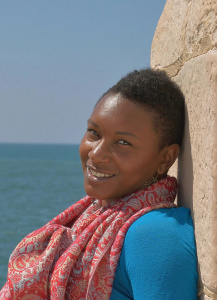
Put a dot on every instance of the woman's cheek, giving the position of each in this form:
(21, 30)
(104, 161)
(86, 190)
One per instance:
(85, 148)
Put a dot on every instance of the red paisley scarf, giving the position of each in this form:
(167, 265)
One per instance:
(75, 255)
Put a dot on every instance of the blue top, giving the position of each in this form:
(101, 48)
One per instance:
(158, 259)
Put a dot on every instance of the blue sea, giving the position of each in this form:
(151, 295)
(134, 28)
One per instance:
(37, 182)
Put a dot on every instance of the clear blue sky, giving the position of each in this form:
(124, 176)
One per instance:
(58, 57)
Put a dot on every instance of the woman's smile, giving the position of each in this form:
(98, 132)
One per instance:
(120, 149)
(97, 174)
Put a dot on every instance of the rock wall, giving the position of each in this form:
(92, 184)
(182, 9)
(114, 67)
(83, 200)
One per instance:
(185, 46)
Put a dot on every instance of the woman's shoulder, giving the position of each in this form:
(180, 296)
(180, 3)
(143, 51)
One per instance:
(173, 220)
(159, 248)
(170, 230)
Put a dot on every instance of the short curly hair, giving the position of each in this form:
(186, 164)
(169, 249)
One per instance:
(158, 93)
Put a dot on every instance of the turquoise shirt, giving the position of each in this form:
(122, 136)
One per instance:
(158, 259)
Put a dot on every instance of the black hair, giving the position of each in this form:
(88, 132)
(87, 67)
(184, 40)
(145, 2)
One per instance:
(158, 93)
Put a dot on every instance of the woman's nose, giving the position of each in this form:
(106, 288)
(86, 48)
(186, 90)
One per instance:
(100, 152)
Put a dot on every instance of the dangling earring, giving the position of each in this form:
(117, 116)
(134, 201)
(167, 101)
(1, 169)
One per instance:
(151, 181)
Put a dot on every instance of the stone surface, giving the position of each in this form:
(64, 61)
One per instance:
(208, 295)
(205, 297)
(185, 30)
(197, 165)
(185, 46)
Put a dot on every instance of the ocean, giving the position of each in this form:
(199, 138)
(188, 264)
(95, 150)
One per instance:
(37, 182)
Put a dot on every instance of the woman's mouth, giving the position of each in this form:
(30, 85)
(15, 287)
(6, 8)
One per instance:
(98, 174)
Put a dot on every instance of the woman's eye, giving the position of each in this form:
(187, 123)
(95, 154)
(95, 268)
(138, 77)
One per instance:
(122, 142)
(93, 132)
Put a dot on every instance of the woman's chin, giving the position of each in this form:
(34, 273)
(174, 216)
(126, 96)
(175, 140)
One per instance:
(97, 194)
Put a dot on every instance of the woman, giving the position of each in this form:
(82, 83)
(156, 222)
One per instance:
(125, 239)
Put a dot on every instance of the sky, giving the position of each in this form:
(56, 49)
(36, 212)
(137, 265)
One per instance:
(58, 57)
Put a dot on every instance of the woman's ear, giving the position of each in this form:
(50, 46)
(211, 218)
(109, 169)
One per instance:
(169, 155)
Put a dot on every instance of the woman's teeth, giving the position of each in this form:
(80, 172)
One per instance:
(97, 174)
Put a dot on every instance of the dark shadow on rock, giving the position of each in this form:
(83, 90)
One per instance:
(201, 297)
(185, 170)
(200, 284)
(185, 180)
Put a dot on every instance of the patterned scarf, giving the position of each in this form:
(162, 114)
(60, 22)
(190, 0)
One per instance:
(75, 255)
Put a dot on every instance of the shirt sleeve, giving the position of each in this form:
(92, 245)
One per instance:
(158, 259)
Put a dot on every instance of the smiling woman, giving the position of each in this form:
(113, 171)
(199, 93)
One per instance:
(118, 156)
(126, 239)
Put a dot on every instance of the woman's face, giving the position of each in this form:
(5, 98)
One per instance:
(120, 150)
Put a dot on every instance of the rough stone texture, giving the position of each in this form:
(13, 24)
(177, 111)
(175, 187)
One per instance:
(205, 297)
(208, 295)
(185, 30)
(197, 168)
(184, 46)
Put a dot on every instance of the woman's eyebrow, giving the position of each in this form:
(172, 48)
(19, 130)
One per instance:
(127, 133)
(117, 132)
(91, 122)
